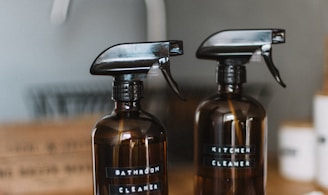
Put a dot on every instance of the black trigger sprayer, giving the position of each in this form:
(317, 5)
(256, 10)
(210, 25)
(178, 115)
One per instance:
(230, 128)
(236, 47)
(132, 61)
(129, 145)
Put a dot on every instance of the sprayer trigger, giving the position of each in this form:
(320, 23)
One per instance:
(165, 68)
(267, 55)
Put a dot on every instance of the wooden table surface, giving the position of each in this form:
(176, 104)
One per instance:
(77, 132)
(181, 182)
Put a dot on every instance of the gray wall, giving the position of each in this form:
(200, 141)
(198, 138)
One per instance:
(300, 60)
(34, 52)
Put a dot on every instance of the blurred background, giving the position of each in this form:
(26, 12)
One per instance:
(45, 62)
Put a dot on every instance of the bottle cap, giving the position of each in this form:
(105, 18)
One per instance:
(231, 74)
(127, 91)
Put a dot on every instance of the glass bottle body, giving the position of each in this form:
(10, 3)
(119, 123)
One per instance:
(230, 145)
(129, 153)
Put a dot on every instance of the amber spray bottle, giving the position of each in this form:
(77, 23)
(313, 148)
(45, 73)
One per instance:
(129, 145)
(230, 128)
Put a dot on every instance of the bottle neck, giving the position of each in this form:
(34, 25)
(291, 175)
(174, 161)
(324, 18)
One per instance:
(230, 88)
(121, 106)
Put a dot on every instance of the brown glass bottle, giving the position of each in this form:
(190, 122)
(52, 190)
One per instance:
(230, 129)
(230, 144)
(129, 151)
(129, 145)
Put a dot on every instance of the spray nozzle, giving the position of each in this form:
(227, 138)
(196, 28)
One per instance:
(240, 45)
(132, 61)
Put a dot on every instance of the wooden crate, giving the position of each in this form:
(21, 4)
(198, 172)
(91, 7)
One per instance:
(46, 157)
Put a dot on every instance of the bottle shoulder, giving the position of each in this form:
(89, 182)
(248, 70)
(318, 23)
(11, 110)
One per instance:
(229, 104)
(138, 123)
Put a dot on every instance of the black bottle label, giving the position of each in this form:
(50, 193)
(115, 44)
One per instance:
(135, 189)
(130, 168)
(139, 175)
(132, 172)
(229, 156)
